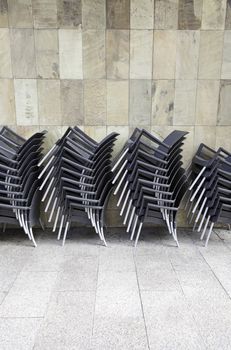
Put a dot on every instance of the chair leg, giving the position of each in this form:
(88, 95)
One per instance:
(60, 228)
(125, 202)
(138, 233)
(134, 227)
(205, 227)
(56, 220)
(4, 227)
(209, 234)
(131, 218)
(41, 224)
(32, 237)
(128, 210)
(65, 232)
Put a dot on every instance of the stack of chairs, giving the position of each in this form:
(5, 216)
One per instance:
(209, 193)
(77, 181)
(150, 180)
(19, 171)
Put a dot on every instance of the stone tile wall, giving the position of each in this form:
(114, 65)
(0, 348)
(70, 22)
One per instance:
(109, 65)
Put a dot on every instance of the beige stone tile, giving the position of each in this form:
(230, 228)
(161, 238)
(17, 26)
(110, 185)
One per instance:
(117, 102)
(69, 13)
(164, 54)
(187, 54)
(228, 15)
(95, 102)
(72, 102)
(94, 54)
(49, 102)
(226, 64)
(53, 134)
(117, 54)
(94, 14)
(166, 14)
(118, 14)
(185, 101)
(210, 65)
(5, 57)
(123, 131)
(142, 14)
(96, 132)
(3, 14)
(20, 13)
(23, 53)
(27, 131)
(213, 14)
(141, 54)
(47, 53)
(7, 105)
(163, 92)
(26, 101)
(70, 54)
(189, 14)
(224, 108)
(45, 13)
(140, 102)
(207, 102)
(223, 137)
(205, 134)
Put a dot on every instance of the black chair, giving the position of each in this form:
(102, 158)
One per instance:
(78, 181)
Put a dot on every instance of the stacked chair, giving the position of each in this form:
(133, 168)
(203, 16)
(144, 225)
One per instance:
(209, 193)
(150, 181)
(19, 171)
(77, 181)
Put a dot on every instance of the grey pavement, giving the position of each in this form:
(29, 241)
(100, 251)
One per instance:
(89, 297)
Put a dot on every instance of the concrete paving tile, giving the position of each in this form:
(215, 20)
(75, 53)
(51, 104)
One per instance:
(170, 324)
(198, 279)
(117, 280)
(7, 278)
(29, 295)
(18, 333)
(68, 323)
(78, 274)
(116, 263)
(118, 322)
(158, 278)
(150, 262)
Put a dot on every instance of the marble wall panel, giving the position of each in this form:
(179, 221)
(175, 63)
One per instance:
(72, 102)
(187, 54)
(141, 42)
(226, 63)
(228, 15)
(26, 101)
(205, 134)
(95, 102)
(69, 13)
(23, 53)
(223, 137)
(140, 102)
(213, 14)
(207, 102)
(164, 54)
(163, 92)
(47, 53)
(210, 55)
(94, 54)
(117, 102)
(224, 108)
(20, 13)
(7, 104)
(49, 102)
(5, 55)
(94, 14)
(117, 54)
(185, 101)
(3, 13)
(190, 12)
(45, 13)
(118, 14)
(70, 54)
(166, 14)
(142, 14)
